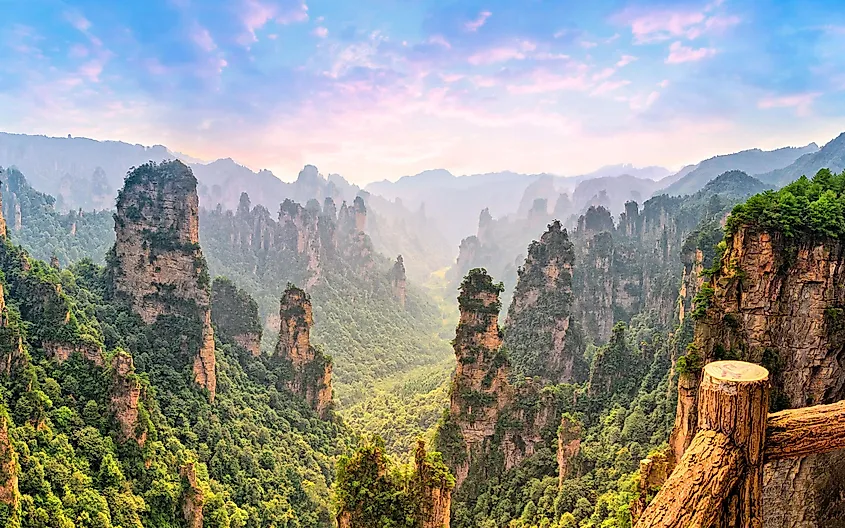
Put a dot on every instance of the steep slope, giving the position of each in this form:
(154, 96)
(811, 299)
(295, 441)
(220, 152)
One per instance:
(831, 156)
(753, 161)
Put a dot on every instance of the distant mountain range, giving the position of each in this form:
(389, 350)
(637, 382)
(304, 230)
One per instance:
(84, 173)
(755, 161)
(830, 156)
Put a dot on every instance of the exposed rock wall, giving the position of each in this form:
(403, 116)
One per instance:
(156, 263)
(568, 446)
(126, 397)
(62, 351)
(781, 303)
(312, 371)
(543, 337)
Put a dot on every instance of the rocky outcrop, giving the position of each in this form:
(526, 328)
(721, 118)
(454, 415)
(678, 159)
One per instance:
(312, 370)
(18, 217)
(125, 399)
(234, 314)
(781, 303)
(205, 363)
(62, 351)
(552, 345)
(654, 471)
(9, 493)
(193, 498)
(157, 264)
(433, 488)
(480, 388)
(398, 281)
(568, 446)
(300, 232)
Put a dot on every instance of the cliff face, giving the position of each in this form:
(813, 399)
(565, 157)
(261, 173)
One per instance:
(480, 389)
(312, 370)
(781, 303)
(126, 397)
(157, 263)
(235, 315)
(551, 347)
(691, 282)
(492, 425)
(398, 281)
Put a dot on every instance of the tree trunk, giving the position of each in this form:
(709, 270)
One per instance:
(734, 400)
(719, 479)
(694, 495)
(800, 432)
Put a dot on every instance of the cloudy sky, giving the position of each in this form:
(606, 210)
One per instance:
(376, 89)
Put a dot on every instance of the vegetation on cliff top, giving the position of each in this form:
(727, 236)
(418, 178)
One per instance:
(806, 207)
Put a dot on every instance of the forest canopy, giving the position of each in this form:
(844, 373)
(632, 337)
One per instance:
(806, 207)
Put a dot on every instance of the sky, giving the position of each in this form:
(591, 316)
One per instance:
(375, 89)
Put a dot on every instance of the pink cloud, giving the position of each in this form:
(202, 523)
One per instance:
(543, 81)
(802, 102)
(604, 74)
(92, 70)
(609, 86)
(77, 20)
(473, 25)
(679, 53)
(202, 38)
(502, 54)
(77, 51)
(625, 60)
(664, 24)
(439, 40)
(321, 32)
(255, 15)
(451, 77)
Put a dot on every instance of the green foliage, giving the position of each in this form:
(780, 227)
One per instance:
(804, 208)
(45, 232)
(374, 491)
(233, 311)
(702, 301)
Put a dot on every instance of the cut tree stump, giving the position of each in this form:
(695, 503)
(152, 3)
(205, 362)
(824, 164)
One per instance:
(719, 479)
